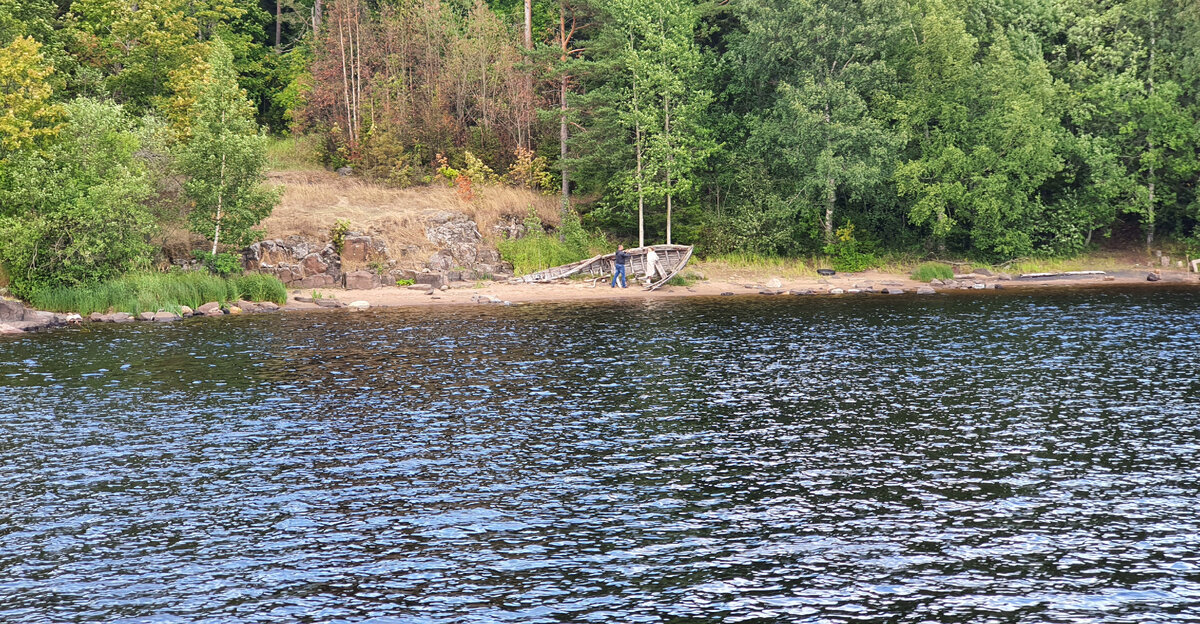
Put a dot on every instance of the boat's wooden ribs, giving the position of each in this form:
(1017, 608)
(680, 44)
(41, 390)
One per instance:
(671, 259)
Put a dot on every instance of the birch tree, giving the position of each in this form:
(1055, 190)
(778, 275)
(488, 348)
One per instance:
(225, 160)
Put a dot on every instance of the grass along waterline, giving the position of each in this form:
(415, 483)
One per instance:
(150, 292)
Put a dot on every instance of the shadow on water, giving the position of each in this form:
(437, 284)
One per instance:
(1009, 458)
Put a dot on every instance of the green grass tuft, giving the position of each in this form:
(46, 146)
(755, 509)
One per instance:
(537, 250)
(150, 292)
(932, 270)
(294, 152)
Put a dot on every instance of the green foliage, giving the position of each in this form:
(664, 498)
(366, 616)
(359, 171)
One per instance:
(293, 152)
(225, 160)
(337, 234)
(260, 287)
(529, 170)
(477, 171)
(404, 282)
(538, 250)
(29, 117)
(223, 264)
(927, 271)
(846, 253)
(150, 292)
(76, 214)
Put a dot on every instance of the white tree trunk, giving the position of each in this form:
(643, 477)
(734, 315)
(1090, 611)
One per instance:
(220, 201)
(670, 158)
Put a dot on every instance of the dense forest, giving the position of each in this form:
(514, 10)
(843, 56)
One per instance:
(989, 128)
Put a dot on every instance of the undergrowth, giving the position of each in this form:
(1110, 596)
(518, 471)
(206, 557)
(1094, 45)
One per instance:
(538, 250)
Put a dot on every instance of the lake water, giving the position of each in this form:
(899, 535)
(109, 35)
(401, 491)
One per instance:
(985, 458)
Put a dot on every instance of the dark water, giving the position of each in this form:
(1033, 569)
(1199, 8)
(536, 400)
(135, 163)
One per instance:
(1009, 458)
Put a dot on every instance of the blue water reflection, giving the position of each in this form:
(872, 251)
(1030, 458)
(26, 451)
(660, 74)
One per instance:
(1006, 458)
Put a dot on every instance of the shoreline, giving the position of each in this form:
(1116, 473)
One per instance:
(870, 283)
(865, 284)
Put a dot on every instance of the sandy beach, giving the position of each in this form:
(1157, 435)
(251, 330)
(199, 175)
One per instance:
(870, 283)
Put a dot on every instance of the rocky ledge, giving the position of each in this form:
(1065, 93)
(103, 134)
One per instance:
(16, 318)
(366, 261)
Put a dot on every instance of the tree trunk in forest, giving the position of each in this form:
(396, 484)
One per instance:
(637, 137)
(345, 79)
(316, 16)
(562, 148)
(1150, 145)
(1150, 213)
(278, 24)
(562, 127)
(527, 130)
(830, 199)
(220, 197)
(830, 189)
(670, 157)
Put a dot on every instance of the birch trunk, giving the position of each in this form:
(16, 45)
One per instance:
(562, 127)
(670, 158)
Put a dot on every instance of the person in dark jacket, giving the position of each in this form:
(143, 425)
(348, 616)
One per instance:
(619, 271)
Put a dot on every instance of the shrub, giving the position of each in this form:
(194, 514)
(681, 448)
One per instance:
(529, 171)
(538, 250)
(846, 254)
(932, 270)
(76, 213)
(223, 264)
(337, 235)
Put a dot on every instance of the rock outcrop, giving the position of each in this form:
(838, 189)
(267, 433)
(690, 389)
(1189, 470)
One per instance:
(297, 263)
(16, 318)
(366, 261)
(461, 248)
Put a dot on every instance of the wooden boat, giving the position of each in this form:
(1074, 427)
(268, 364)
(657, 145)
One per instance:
(671, 260)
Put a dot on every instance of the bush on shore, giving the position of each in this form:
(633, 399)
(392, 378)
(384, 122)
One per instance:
(538, 250)
(932, 270)
(149, 292)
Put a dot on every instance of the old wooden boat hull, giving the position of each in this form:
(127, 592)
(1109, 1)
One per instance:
(671, 260)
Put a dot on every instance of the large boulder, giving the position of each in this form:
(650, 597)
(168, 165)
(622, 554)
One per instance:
(311, 265)
(323, 280)
(293, 259)
(441, 261)
(454, 233)
(435, 280)
(358, 248)
(361, 280)
(11, 311)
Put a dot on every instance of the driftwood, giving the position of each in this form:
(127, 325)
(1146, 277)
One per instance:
(1059, 274)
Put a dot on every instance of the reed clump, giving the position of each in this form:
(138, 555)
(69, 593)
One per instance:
(150, 292)
(927, 271)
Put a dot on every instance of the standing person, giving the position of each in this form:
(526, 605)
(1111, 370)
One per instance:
(619, 270)
(652, 267)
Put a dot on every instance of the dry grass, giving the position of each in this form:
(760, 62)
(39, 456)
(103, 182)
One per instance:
(314, 200)
(737, 266)
(1091, 262)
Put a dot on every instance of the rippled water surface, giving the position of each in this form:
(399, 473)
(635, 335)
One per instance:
(1007, 458)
